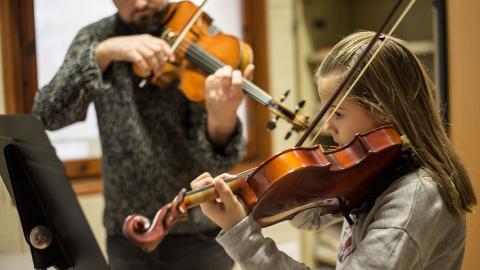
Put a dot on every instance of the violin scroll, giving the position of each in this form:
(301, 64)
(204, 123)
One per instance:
(148, 235)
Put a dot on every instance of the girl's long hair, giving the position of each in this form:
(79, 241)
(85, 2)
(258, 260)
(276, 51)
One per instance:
(396, 88)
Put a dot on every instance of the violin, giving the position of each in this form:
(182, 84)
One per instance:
(287, 183)
(199, 53)
(296, 179)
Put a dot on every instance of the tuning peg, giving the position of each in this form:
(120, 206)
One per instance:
(300, 104)
(272, 124)
(287, 136)
(285, 95)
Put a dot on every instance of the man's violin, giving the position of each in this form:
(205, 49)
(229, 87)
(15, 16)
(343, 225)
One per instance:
(200, 49)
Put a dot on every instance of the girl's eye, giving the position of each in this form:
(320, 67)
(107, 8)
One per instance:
(338, 115)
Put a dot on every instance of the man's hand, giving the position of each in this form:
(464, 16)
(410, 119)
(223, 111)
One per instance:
(223, 96)
(146, 52)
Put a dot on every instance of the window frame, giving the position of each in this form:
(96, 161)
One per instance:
(18, 52)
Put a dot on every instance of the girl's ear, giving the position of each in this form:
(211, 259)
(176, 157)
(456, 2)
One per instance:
(381, 119)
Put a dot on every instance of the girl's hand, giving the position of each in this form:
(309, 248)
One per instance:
(225, 211)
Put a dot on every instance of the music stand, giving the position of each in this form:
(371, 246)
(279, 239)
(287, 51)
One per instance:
(53, 223)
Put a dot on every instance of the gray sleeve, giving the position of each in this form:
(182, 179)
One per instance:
(215, 159)
(388, 248)
(313, 219)
(251, 250)
(65, 99)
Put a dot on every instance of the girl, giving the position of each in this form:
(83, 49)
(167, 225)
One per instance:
(417, 222)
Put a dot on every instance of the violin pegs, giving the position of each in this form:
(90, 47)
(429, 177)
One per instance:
(272, 124)
(285, 95)
(301, 104)
(288, 135)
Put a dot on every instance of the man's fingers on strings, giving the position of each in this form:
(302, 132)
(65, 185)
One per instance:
(236, 82)
(226, 77)
(169, 54)
(248, 71)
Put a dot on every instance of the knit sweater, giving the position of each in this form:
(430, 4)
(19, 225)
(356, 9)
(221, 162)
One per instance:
(154, 141)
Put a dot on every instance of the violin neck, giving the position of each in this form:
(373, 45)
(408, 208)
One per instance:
(208, 193)
(209, 64)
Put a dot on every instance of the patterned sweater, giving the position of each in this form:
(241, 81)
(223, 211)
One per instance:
(154, 141)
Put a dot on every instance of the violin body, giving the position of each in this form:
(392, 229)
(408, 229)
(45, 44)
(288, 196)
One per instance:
(289, 182)
(187, 71)
(336, 181)
(201, 52)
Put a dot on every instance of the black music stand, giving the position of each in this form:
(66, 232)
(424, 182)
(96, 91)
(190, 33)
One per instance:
(53, 223)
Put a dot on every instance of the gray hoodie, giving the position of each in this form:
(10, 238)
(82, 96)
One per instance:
(408, 227)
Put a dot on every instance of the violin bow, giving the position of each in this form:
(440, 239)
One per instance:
(181, 36)
(189, 25)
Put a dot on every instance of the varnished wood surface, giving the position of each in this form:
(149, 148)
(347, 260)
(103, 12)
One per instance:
(464, 95)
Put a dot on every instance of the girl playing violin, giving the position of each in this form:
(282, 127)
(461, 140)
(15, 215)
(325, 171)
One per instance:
(417, 220)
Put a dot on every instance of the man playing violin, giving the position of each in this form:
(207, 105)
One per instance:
(153, 140)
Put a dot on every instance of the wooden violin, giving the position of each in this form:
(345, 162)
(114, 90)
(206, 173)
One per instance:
(200, 49)
(287, 183)
(295, 179)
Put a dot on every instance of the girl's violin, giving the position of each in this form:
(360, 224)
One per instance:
(203, 49)
(287, 183)
(298, 178)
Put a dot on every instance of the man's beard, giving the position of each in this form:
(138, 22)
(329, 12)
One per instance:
(151, 24)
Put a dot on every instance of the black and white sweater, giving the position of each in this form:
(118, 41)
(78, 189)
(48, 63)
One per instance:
(154, 141)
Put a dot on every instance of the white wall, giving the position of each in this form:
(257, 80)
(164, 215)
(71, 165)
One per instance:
(282, 76)
(56, 24)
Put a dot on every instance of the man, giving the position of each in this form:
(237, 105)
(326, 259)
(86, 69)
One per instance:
(154, 141)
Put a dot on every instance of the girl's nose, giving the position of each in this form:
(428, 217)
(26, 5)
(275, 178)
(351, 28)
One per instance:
(329, 128)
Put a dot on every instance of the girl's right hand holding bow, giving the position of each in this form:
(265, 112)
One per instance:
(226, 211)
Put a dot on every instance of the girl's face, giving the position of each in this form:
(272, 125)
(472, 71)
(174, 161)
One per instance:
(349, 119)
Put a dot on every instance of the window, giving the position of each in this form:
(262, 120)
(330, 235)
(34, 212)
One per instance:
(20, 60)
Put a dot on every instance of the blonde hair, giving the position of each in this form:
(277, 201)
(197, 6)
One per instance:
(396, 87)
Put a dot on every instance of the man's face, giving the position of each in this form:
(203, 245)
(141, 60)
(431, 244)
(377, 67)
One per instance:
(141, 14)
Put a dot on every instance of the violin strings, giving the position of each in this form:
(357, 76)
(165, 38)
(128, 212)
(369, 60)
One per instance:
(241, 175)
(211, 64)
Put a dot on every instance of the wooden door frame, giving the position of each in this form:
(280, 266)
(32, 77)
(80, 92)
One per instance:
(17, 25)
(18, 55)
